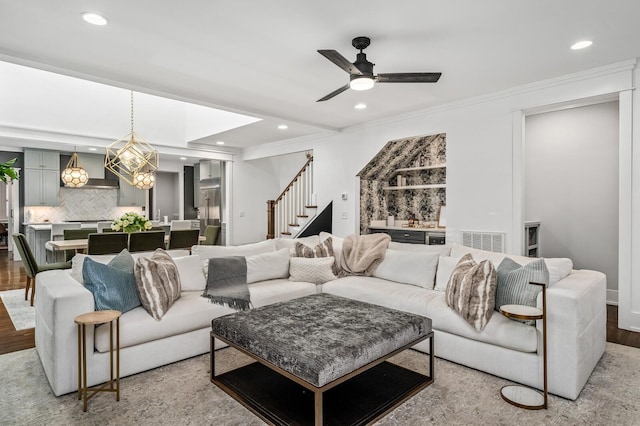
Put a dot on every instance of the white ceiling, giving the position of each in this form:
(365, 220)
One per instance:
(260, 57)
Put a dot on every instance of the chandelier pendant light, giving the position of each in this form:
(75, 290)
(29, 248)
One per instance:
(74, 176)
(133, 159)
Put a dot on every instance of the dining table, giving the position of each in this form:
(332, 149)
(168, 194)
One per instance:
(80, 245)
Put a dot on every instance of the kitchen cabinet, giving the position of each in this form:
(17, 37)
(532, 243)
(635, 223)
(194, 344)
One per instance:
(41, 178)
(37, 235)
(412, 235)
(129, 195)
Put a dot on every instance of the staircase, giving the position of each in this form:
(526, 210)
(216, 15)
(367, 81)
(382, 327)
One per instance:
(293, 209)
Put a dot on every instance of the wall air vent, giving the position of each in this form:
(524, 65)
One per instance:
(491, 241)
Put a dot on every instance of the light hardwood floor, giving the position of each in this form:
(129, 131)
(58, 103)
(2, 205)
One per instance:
(12, 277)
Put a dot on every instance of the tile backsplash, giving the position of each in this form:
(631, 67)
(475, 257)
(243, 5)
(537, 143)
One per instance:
(80, 204)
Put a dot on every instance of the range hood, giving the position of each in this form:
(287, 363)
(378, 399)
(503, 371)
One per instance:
(99, 183)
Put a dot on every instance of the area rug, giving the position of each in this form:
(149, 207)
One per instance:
(22, 314)
(181, 393)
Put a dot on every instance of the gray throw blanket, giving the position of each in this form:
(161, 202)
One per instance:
(361, 254)
(227, 282)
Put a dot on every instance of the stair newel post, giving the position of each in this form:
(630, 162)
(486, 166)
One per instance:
(271, 204)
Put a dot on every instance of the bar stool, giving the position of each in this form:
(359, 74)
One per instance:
(95, 318)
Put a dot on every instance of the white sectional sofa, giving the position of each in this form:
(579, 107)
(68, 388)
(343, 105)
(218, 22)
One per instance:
(576, 312)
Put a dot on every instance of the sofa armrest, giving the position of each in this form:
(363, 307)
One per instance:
(576, 330)
(59, 300)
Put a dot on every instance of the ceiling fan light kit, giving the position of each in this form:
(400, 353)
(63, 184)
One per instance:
(361, 75)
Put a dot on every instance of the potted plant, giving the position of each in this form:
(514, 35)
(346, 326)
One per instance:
(7, 171)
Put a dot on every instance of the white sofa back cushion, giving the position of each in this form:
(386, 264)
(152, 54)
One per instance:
(446, 265)
(268, 266)
(78, 260)
(408, 267)
(559, 267)
(442, 250)
(207, 252)
(190, 271)
(290, 243)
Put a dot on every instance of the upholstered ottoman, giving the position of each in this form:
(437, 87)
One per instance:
(321, 356)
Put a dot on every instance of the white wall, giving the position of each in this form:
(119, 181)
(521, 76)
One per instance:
(571, 161)
(255, 182)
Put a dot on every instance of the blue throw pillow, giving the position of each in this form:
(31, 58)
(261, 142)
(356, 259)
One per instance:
(113, 285)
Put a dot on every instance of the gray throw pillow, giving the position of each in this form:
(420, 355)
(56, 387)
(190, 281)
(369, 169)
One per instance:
(513, 282)
(113, 285)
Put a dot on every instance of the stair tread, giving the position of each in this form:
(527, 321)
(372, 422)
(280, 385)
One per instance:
(311, 207)
(293, 224)
(286, 233)
(303, 215)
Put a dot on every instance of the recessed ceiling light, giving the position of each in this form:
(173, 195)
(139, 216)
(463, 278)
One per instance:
(94, 18)
(360, 106)
(220, 143)
(283, 127)
(183, 158)
(93, 149)
(581, 44)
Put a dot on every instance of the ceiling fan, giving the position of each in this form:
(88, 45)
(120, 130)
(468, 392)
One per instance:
(361, 71)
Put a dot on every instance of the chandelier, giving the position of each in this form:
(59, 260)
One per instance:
(133, 159)
(74, 176)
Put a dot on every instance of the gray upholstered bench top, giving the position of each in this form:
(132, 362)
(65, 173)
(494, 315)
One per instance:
(322, 337)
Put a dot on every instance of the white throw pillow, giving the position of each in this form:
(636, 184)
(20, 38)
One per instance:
(207, 252)
(190, 271)
(268, 266)
(311, 269)
(408, 267)
(446, 265)
(559, 267)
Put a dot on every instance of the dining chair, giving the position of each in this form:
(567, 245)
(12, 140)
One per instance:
(57, 233)
(31, 267)
(76, 234)
(107, 243)
(146, 240)
(185, 238)
(177, 225)
(211, 233)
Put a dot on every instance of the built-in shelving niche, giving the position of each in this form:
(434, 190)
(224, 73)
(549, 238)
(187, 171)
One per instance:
(421, 160)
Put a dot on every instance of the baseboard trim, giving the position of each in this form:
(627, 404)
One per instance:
(612, 297)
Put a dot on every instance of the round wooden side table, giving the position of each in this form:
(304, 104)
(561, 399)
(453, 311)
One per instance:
(519, 395)
(95, 318)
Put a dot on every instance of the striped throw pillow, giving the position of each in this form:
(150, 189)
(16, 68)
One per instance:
(158, 283)
(513, 282)
(324, 249)
(471, 291)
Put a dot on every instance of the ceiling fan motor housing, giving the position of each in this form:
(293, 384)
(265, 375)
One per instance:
(363, 65)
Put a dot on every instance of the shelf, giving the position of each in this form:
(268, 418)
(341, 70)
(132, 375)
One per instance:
(430, 186)
(412, 169)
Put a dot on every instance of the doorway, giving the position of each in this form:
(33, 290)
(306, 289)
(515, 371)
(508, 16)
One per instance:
(166, 196)
(571, 159)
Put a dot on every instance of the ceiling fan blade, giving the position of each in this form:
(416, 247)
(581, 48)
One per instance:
(340, 61)
(409, 77)
(334, 93)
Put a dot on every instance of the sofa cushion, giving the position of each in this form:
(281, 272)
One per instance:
(190, 271)
(336, 243)
(559, 267)
(499, 330)
(193, 312)
(113, 285)
(78, 260)
(442, 250)
(268, 266)
(158, 283)
(290, 243)
(513, 282)
(446, 265)
(415, 268)
(316, 270)
(471, 291)
(207, 252)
